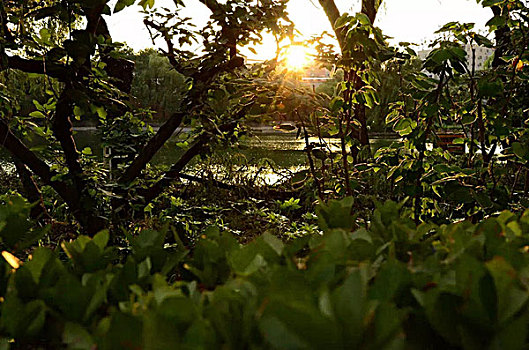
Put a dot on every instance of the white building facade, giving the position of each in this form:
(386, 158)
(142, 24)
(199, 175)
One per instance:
(481, 55)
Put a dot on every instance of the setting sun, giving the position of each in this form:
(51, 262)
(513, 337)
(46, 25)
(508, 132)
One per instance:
(297, 57)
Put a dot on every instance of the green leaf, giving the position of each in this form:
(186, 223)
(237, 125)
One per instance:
(23, 320)
(199, 335)
(78, 111)
(511, 298)
(484, 200)
(488, 88)
(45, 36)
(404, 126)
(349, 302)
(146, 3)
(124, 331)
(363, 19)
(513, 335)
(336, 104)
(101, 239)
(292, 318)
(275, 243)
(101, 112)
(245, 262)
(336, 214)
(121, 4)
(496, 22)
(16, 230)
(40, 258)
(98, 284)
(342, 21)
(77, 337)
(458, 52)
(146, 241)
(392, 278)
(492, 2)
(278, 334)
(483, 41)
(520, 150)
(388, 327)
(37, 114)
(468, 119)
(442, 313)
(439, 56)
(442, 168)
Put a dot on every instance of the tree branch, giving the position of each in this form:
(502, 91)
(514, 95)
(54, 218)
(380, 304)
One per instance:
(170, 47)
(151, 147)
(10, 142)
(88, 219)
(167, 129)
(333, 14)
(501, 35)
(267, 193)
(212, 5)
(19, 150)
(201, 78)
(32, 193)
(4, 30)
(229, 32)
(120, 69)
(370, 9)
(53, 70)
(63, 130)
(44, 12)
(174, 172)
(214, 182)
(94, 19)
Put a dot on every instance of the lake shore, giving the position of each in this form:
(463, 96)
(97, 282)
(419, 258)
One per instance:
(259, 129)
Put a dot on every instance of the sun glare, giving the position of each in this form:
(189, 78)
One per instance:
(297, 57)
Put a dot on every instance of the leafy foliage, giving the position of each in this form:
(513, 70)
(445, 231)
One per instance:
(391, 285)
(458, 149)
(87, 77)
(443, 265)
(156, 85)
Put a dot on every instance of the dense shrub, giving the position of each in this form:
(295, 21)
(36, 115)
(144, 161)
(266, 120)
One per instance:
(391, 285)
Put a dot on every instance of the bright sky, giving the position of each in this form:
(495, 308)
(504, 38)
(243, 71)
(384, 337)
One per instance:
(404, 20)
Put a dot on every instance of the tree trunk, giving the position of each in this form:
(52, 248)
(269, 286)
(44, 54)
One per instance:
(333, 14)
(370, 9)
(90, 222)
(32, 193)
(502, 40)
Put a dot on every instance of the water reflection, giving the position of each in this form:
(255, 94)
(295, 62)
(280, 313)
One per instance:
(266, 158)
(245, 174)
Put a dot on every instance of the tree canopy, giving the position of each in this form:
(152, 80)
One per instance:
(416, 240)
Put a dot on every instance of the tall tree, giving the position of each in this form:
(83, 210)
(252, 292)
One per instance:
(370, 9)
(95, 80)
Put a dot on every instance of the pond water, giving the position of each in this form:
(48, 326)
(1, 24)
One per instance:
(283, 150)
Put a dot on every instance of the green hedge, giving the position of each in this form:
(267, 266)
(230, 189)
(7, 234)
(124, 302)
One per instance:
(389, 286)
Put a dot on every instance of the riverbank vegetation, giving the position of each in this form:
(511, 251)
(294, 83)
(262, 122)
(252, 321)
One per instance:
(420, 241)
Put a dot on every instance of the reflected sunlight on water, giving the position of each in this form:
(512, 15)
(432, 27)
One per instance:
(265, 158)
(288, 142)
(253, 174)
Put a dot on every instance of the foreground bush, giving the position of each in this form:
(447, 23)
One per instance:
(390, 286)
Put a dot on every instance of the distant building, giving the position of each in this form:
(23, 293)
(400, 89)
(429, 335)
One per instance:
(315, 76)
(481, 55)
